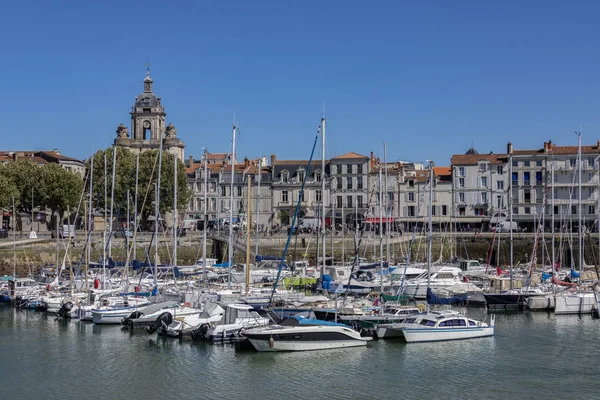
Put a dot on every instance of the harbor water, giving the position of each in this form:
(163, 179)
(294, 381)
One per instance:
(532, 356)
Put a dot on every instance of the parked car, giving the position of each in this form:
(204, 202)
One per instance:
(3, 234)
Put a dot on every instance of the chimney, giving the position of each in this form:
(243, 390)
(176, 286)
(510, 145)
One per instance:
(191, 162)
(509, 149)
(246, 162)
(273, 158)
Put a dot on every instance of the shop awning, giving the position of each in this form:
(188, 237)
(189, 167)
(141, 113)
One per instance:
(376, 220)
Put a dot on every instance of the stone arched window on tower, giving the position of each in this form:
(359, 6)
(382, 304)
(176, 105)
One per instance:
(146, 130)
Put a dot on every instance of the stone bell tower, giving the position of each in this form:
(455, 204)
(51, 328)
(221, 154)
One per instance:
(147, 124)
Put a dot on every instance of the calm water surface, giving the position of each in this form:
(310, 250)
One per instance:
(532, 356)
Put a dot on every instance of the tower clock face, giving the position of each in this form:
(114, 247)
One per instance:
(146, 124)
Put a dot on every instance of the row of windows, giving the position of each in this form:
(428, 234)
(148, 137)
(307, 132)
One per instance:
(441, 210)
(348, 169)
(558, 210)
(461, 171)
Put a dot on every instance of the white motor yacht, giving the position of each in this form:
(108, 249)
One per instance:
(301, 334)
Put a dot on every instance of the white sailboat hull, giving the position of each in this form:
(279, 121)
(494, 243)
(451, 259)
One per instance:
(581, 303)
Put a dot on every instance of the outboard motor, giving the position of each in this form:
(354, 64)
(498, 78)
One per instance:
(201, 332)
(65, 308)
(129, 320)
(162, 321)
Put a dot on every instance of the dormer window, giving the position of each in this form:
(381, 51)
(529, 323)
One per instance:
(318, 176)
(285, 176)
(301, 175)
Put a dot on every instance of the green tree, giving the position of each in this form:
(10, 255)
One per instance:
(147, 178)
(60, 190)
(26, 175)
(8, 190)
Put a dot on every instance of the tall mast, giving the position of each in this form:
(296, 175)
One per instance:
(205, 216)
(259, 171)
(387, 216)
(552, 217)
(156, 204)
(230, 243)
(104, 230)
(14, 228)
(510, 214)
(90, 219)
(248, 221)
(112, 200)
(430, 223)
(323, 194)
(175, 224)
(135, 206)
(380, 231)
(580, 206)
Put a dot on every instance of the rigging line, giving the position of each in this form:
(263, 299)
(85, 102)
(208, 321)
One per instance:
(287, 244)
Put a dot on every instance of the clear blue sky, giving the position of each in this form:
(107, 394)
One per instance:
(427, 77)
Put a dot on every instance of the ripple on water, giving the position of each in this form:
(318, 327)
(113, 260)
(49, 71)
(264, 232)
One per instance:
(531, 356)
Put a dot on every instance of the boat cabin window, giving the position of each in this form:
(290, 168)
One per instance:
(410, 320)
(455, 322)
(445, 276)
(427, 322)
(472, 323)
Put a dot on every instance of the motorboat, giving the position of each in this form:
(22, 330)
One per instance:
(115, 312)
(237, 317)
(386, 315)
(438, 328)
(396, 329)
(443, 278)
(148, 316)
(194, 325)
(301, 334)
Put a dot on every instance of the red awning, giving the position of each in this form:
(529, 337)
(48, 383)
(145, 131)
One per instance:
(376, 220)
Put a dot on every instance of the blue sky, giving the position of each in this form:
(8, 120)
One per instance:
(426, 77)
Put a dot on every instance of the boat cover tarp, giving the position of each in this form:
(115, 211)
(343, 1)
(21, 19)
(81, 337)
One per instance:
(260, 258)
(432, 298)
(311, 321)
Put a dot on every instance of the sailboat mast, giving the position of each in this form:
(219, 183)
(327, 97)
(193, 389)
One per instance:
(510, 213)
(380, 232)
(230, 243)
(552, 217)
(430, 222)
(259, 172)
(175, 224)
(156, 204)
(14, 228)
(322, 219)
(205, 216)
(104, 229)
(580, 206)
(112, 201)
(248, 221)
(89, 224)
(387, 216)
(135, 206)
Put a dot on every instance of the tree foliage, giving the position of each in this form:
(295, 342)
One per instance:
(48, 187)
(125, 174)
(8, 190)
